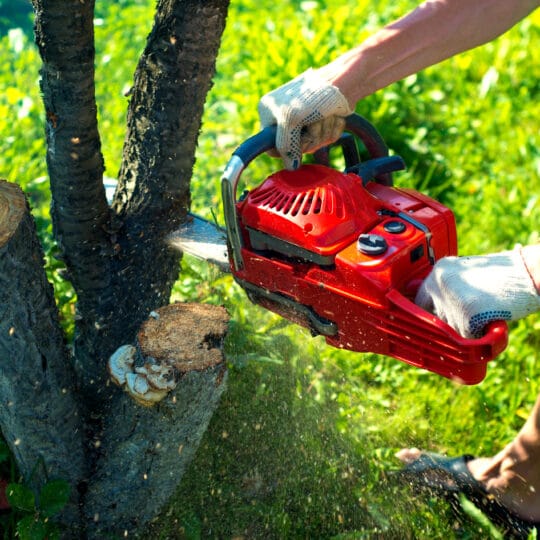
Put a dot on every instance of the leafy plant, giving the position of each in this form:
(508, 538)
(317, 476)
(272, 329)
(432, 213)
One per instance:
(33, 517)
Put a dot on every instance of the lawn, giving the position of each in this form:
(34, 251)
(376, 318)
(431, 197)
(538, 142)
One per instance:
(303, 443)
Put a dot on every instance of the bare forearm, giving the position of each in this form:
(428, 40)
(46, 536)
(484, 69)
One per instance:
(435, 31)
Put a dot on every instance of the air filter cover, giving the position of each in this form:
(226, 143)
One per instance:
(314, 207)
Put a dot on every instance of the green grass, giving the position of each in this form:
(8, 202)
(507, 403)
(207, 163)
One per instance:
(302, 444)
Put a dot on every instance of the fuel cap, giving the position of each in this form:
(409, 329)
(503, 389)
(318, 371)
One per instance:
(394, 227)
(372, 244)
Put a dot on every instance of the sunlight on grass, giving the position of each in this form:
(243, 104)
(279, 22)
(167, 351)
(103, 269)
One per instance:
(303, 443)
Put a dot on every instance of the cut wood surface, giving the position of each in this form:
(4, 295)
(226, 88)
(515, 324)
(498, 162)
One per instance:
(187, 336)
(174, 340)
(12, 208)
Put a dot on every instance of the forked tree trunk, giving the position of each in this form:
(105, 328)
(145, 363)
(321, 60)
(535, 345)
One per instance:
(60, 413)
(137, 462)
(118, 259)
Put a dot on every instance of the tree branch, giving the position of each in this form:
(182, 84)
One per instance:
(39, 416)
(172, 80)
(65, 38)
(64, 35)
(146, 449)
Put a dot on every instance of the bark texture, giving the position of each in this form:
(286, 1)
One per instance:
(81, 217)
(59, 413)
(65, 37)
(150, 451)
(171, 82)
(39, 412)
(145, 450)
(107, 251)
(141, 453)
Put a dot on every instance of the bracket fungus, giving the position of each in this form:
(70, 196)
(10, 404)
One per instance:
(174, 340)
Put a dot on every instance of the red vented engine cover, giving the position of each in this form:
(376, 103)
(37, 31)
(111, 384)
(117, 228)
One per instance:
(343, 253)
(317, 212)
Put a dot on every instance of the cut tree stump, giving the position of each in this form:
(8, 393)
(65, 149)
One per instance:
(148, 442)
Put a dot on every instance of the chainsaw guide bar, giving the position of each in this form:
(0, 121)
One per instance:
(202, 239)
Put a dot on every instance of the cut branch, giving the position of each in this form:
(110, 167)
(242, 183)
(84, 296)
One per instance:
(145, 450)
(39, 415)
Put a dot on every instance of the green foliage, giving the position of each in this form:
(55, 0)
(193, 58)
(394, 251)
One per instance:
(303, 442)
(32, 519)
(120, 38)
(15, 13)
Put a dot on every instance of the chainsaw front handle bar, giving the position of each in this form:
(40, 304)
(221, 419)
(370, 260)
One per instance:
(266, 140)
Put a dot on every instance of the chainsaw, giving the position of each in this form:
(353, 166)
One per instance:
(343, 253)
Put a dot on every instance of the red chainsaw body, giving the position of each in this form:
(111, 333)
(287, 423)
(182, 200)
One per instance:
(345, 258)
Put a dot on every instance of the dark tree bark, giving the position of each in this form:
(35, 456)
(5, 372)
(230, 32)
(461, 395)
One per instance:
(59, 408)
(146, 449)
(107, 253)
(39, 413)
(171, 82)
(80, 213)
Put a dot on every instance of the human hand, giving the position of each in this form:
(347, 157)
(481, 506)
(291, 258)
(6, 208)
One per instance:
(309, 113)
(470, 292)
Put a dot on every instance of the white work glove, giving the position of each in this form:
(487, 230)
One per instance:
(309, 102)
(469, 292)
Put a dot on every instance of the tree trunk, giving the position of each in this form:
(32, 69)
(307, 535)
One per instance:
(124, 460)
(145, 449)
(142, 452)
(106, 252)
(40, 416)
(171, 82)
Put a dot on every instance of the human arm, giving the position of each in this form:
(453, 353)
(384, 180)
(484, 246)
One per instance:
(470, 292)
(309, 110)
(433, 32)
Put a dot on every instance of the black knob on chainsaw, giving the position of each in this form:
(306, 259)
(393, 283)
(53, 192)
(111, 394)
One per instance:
(372, 244)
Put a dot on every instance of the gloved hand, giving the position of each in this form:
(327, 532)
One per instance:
(469, 292)
(309, 102)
